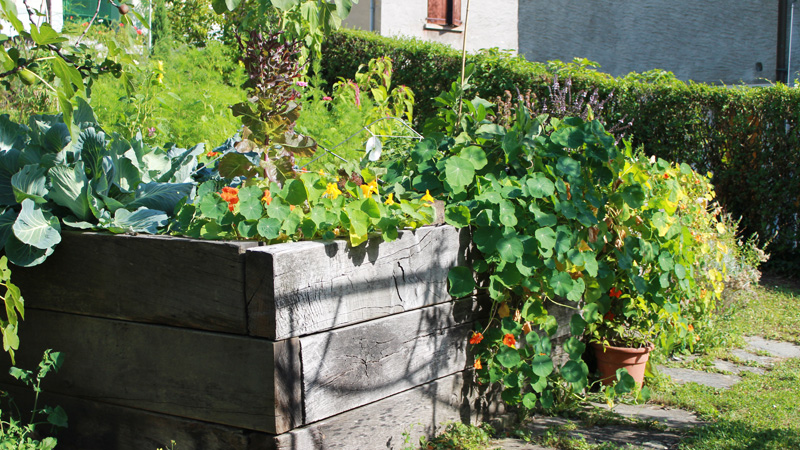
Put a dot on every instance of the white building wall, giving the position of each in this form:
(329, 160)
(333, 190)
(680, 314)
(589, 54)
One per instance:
(492, 23)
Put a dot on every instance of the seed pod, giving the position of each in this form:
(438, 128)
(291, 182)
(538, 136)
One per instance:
(27, 77)
(124, 9)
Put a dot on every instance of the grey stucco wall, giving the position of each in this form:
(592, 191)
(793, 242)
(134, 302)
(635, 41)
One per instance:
(492, 23)
(794, 66)
(709, 41)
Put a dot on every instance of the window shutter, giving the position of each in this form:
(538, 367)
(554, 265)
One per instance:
(437, 11)
(454, 13)
(444, 12)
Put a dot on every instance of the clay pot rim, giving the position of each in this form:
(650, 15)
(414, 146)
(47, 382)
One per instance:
(635, 350)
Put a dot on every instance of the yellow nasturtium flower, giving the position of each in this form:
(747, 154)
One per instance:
(390, 199)
(370, 188)
(427, 197)
(332, 191)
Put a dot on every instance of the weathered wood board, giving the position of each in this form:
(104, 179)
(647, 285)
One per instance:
(353, 366)
(215, 377)
(155, 279)
(306, 287)
(100, 426)
(381, 425)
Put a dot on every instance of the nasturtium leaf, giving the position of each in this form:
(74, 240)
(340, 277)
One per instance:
(563, 242)
(278, 210)
(248, 229)
(680, 271)
(591, 313)
(546, 237)
(510, 248)
(459, 172)
(633, 195)
(250, 205)
(665, 261)
(461, 281)
(577, 325)
(476, 156)
(529, 400)
(457, 216)
(544, 345)
(539, 186)
(295, 192)
(371, 207)
(569, 167)
(547, 399)
(574, 348)
(590, 264)
(625, 382)
(290, 224)
(424, 150)
(269, 227)
(532, 339)
(567, 136)
(213, 207)
(37, 227)
(508, 214)
(578, 288)
(542, 365)
(561, 283)
(539, 385)
(508, 357)
(661, 222)
(359, 222)
(574, 371)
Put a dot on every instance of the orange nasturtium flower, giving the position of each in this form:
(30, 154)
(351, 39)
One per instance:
(230, 195)
(609, 316)
(390, 199)
(332, 191)
(691, 327)
(267, 198)
(509, 340)
(211, 154)
(476, 338)
(614, 292)
(477, 365)
(370, 188)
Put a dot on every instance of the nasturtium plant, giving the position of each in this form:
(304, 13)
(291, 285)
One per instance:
(560, 214)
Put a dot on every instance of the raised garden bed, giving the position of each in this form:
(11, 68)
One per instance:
(235, 345)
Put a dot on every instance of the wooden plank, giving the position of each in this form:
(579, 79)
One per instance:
(306, 287)
(417, 411)
(215, 377)
(101, 426)
(156, 279)
(353, 366)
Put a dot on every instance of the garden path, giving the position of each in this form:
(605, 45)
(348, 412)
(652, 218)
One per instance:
(759, 356)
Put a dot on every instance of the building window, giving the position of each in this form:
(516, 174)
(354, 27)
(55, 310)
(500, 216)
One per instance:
(444, 12)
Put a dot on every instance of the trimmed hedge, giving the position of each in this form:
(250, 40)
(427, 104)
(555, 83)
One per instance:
(748, 137)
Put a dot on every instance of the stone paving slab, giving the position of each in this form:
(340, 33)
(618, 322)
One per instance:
(775, 348)
(736, 369)
(715, 380)
(746, 356)
(671, 417)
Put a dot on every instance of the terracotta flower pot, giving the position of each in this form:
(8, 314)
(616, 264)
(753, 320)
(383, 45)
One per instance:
(609, 359)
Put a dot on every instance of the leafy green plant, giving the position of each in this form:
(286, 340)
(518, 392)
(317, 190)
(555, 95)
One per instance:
(14, 307)
(18, 433)
(95, 182)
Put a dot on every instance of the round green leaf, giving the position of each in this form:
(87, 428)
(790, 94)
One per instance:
(529, 400)
(561, 283)
(539, 186)
(459, 172)
(574, 371)
(510, 248)
(476, 156)
(295, 192)
(461, 281)
(625, 382)
(269, 227)
(574, 348)
(546, 237)
(508, 357)
(457, 216)
(542, 365)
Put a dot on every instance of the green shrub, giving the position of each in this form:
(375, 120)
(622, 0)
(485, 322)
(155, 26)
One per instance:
(746, 136)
